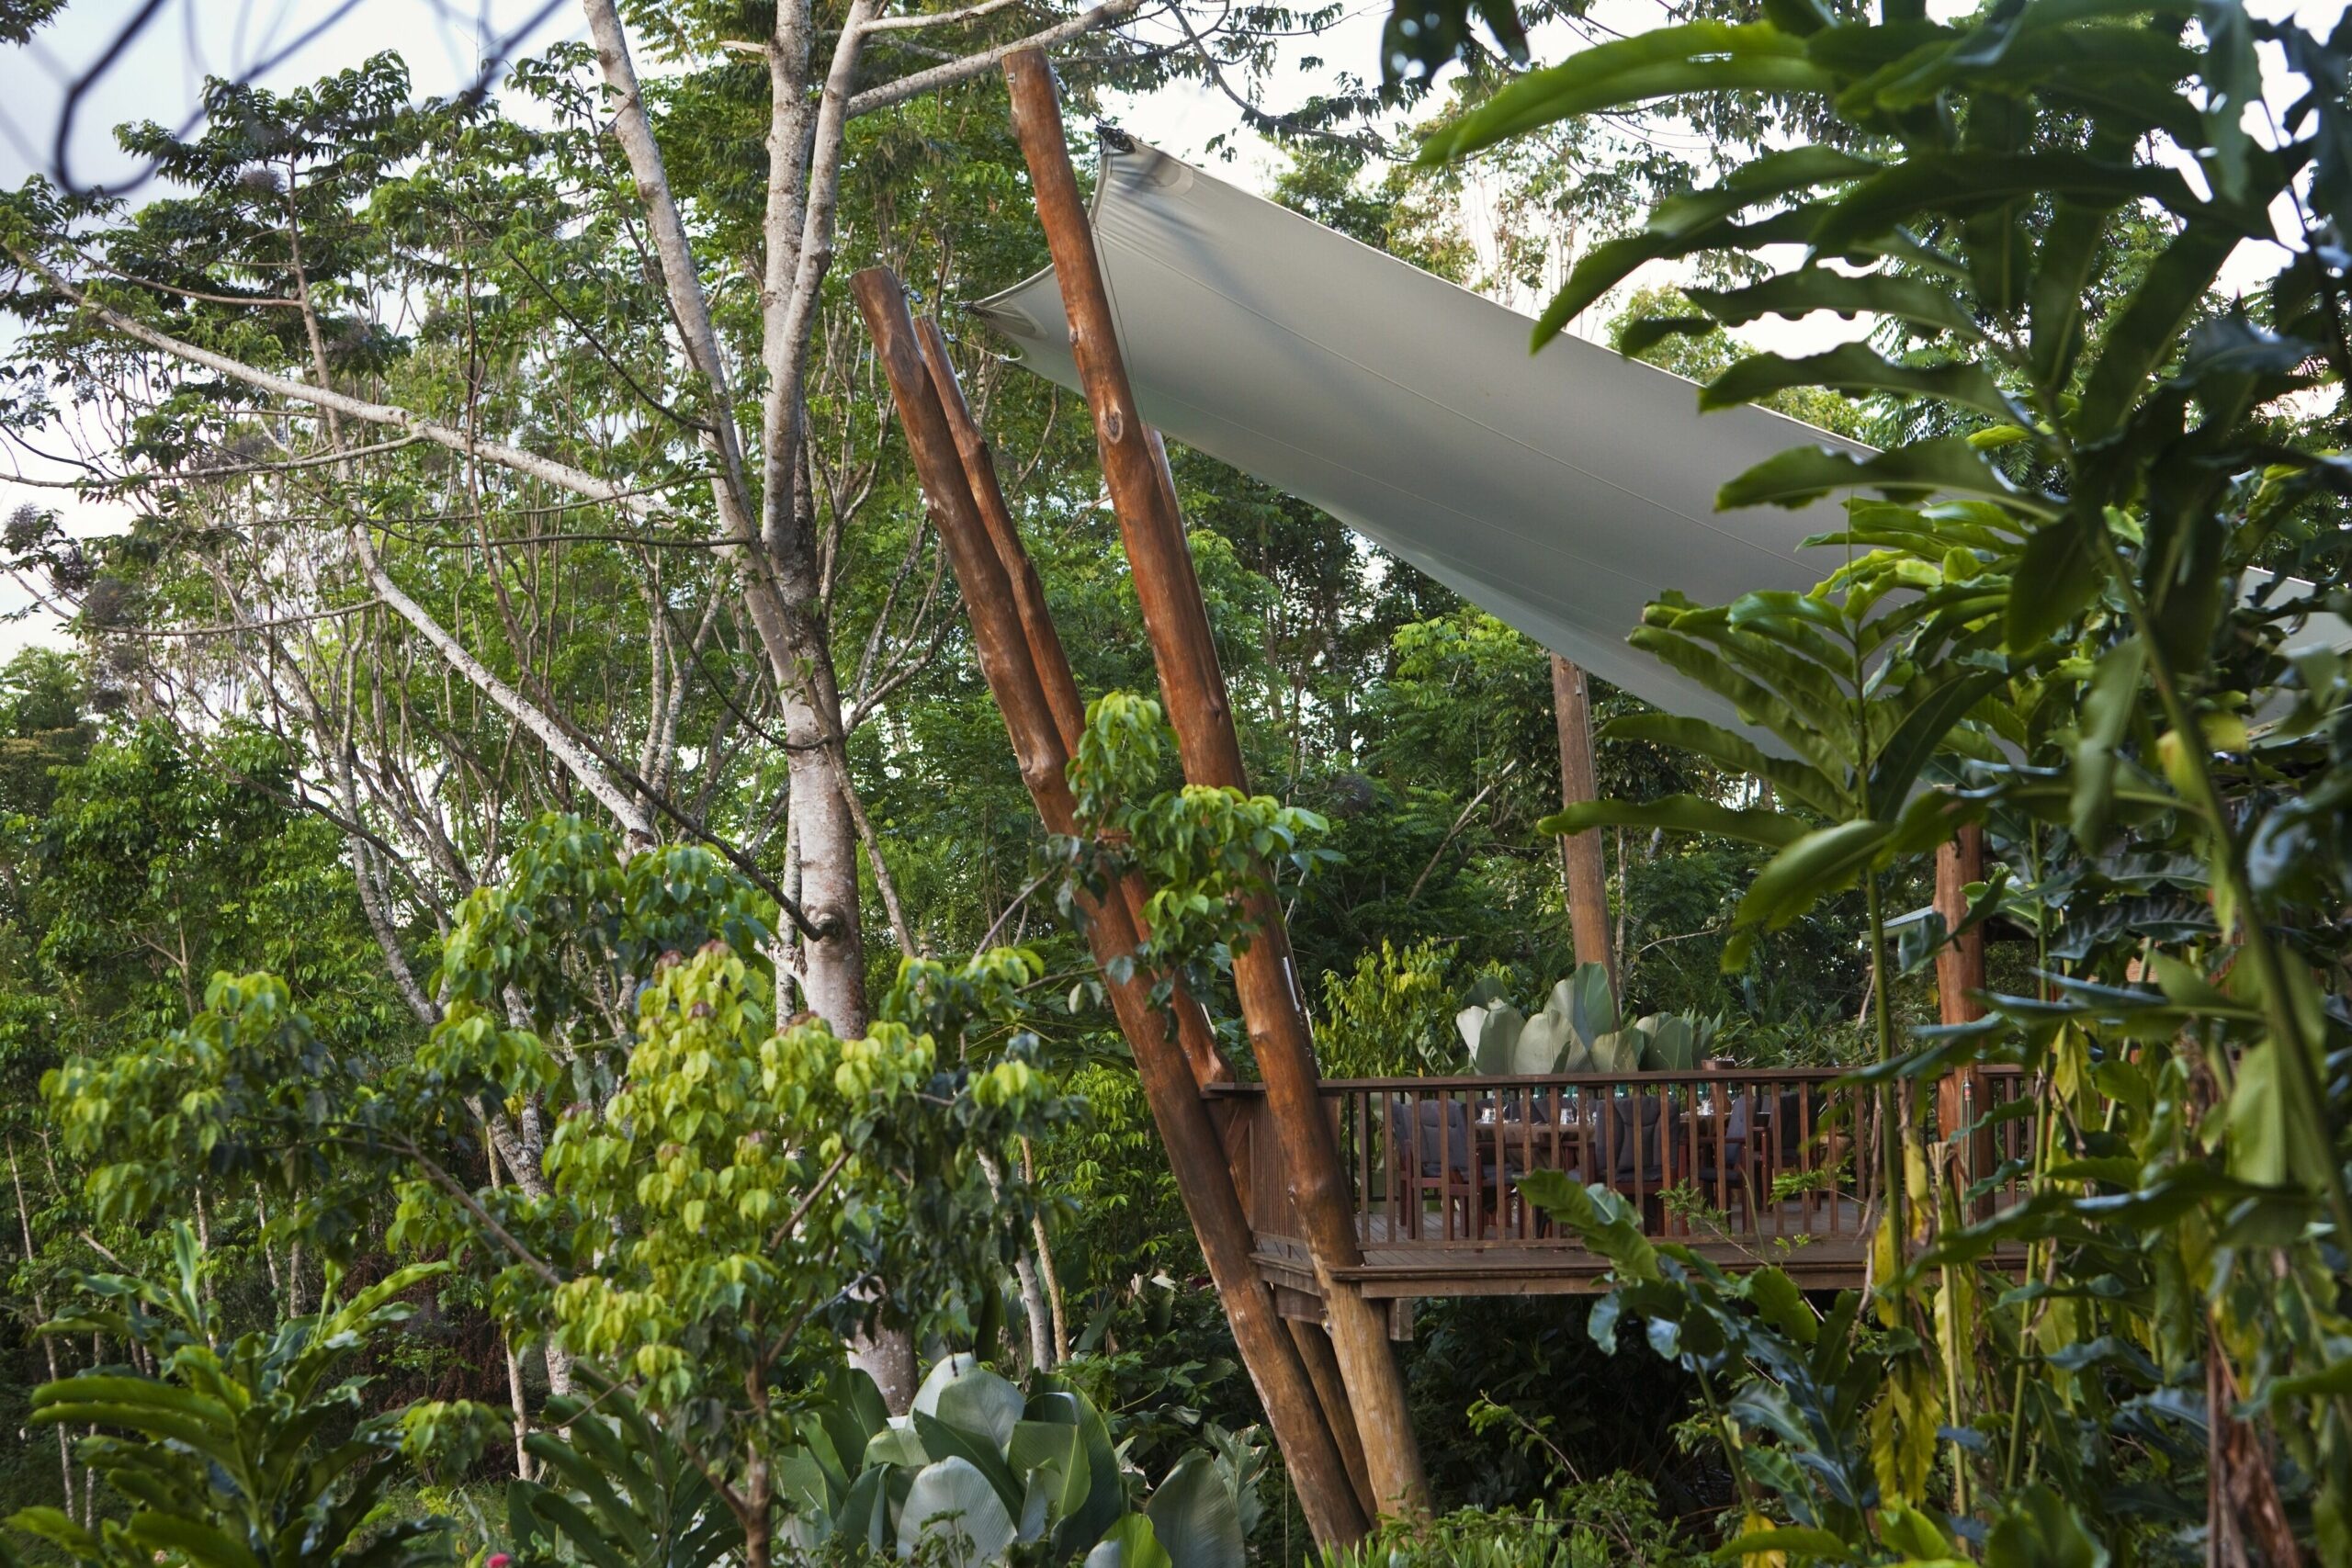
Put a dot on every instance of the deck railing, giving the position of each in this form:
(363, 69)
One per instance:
(1746, 1157)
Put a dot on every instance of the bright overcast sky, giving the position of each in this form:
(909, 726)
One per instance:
(159, 74)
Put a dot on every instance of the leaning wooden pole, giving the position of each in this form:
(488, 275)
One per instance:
(1194, 1152)
(1045, 653)
(1264, 975)
(1193, 1032)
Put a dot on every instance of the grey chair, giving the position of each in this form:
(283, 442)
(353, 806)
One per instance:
(1641, 1133)
(1430, 1158)
(1725, 1171)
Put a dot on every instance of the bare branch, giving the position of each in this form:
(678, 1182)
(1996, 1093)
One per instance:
(939, 19)
(980, 64)
(233, 627)
(563, 476)
(543, 726)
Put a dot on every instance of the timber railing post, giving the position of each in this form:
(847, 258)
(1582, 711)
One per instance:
(1198, 1159)
(1264, 975)
(1193, 1032)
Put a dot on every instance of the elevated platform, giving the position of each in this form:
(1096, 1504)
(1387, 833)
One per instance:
(1745, 1169)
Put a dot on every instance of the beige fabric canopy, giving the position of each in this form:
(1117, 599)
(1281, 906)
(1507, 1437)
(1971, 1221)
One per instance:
(1561, 491)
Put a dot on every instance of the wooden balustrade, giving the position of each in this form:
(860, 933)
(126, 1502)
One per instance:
(1744, 1164)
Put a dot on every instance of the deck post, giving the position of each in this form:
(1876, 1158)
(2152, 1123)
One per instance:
(1202, 1051)
(1196, 1152)
(1264, 973)
(1586, 876)
(1960, 970)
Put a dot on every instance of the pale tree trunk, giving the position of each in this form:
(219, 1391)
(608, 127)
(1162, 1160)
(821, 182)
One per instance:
(1046, 1261)
(775, 556)
(1032, 1294)
(1582, 869)
(515, 1396)
(40, 1311)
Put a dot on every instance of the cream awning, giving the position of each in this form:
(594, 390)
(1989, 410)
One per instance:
(1561, 491)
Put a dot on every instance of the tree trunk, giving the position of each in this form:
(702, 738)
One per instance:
(1060, 689)
(40, 1311)
(514, 1397)
(1583, 871)
(1045, 1269)
(1960, 970)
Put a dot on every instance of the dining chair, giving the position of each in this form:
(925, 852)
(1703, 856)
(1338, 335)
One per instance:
(1726, 1170)
(1430, 1157)
(1643, 1127)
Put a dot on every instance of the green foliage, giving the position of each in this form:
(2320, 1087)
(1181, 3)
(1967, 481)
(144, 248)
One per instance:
(757, 1175)
(1206, 852)
(981, 1472)
(2061, 621)
(255, 1452)
(248, 1095)
(576, 922)
(1580, 1031)
(619, 1492)
(1389, 1017)
(1600, 1524)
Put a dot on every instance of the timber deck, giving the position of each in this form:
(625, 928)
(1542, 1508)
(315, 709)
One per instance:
(1746, 1169)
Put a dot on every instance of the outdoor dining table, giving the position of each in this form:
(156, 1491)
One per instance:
(1573, 1133)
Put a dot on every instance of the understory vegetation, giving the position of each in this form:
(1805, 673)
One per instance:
(538, 1024)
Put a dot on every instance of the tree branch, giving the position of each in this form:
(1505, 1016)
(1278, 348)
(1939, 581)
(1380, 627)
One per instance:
(561, 475)
(938, 19)
(987, 59)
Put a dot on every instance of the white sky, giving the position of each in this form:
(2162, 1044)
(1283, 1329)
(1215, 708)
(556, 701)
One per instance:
(160, 76)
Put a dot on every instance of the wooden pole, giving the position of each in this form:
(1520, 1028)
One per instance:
(1195, 1151)
(1264, 975)
(1193, 1032)
(1198, 1040)
(1582, 868)
(1960, 970)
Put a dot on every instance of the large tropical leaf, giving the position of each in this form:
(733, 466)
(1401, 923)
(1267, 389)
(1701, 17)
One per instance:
(1049, 1457)
(1666, 62)
(1130, 1544)
(1193, 1516)
(1946, 466)
(1853, 368)
(1809, 289)
(1683, 813)
(951, 1502)
(945, 1441)
(976, 1401)
(1702, 219)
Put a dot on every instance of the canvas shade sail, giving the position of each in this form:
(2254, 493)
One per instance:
(1561, 491)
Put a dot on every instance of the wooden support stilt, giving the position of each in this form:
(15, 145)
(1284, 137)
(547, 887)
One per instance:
(1195, 1151)
(1060, 687)
(1193, 1032)
(1581, 865)
(1960, 970)
(1264, 975)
